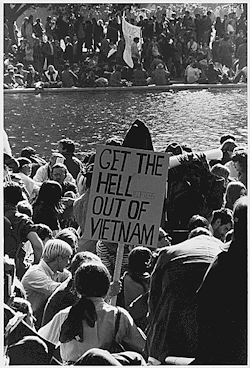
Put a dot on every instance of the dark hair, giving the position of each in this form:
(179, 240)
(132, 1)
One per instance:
(13, 193)
(224, 214)
(43, 231)
(199, 231)
(240, 221)
(81, 257)
(92, 279)
(198, 221)
(27, 152)
(240, 157)
(225, 137)
(50, 194)
(23, 161)
(139, 260)
(68, 145)
(69, 237)
(25, 207)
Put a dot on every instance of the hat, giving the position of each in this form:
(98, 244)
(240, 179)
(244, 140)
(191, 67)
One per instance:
(174, 148)
(138, 136)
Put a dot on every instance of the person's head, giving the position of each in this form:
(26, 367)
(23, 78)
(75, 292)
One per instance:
(69, 237)
(67, 39)
(44, 232)
(234, 190)
(164, 239)
(13, 193)
(222, 222)
(25, 207)
(66, 145)
(239, 159)
(240, 219)
(82, 257)
(51, 68)
(66, 66)
(199, 231)
(22, 305)
(113, 141)
(136, 39)
(92, 279)
(222, 171)
(24, 165)
(30, 350)
(50, 193)
(59, 173)
(27, 152)
(20, 67)
(227, 147)
(139, 260)
(174, 148)
(197, 221)
(56, 158)
(31, 68)
(57, 254)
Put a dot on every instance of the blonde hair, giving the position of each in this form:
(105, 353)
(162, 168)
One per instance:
(54, 248)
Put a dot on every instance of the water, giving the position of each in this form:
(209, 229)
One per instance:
(195, 118)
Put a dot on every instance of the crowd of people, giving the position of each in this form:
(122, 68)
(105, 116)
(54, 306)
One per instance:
(195, 48)
(179, 299)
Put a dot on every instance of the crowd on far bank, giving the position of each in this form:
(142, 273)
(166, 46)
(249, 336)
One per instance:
(89, 52)
(180, 298)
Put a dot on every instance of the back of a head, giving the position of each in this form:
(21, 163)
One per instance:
(220, 170)
(198, 221)
(199, 231)
(43, 231)
(228, 145)
(23, 161)
(225, 137)
(50, 192)
(69, 237)
(13, 193)
(92, 279)
(83, 257)
(240, 219)
(54, 248)
(139, 259)
(224, 214)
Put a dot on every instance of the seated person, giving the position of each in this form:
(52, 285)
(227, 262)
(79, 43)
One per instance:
(51, 78)
(192, 73)
(160, 75)
(116, 77)
(9, 79)
(139, 76)
(33, 78)
(69, 78)
(213, 75)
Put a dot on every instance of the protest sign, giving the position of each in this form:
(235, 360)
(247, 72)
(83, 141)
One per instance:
(126, 196)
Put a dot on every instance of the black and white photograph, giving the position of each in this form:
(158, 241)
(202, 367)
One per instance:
(125, 149)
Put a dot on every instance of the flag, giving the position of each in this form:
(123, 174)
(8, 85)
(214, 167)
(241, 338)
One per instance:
(129, 32)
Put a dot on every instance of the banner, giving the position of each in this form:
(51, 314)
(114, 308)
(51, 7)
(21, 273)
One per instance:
(129, 32)
(126, 196)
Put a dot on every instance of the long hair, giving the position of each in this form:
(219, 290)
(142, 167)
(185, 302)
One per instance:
(91, 279)
(50, 195)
